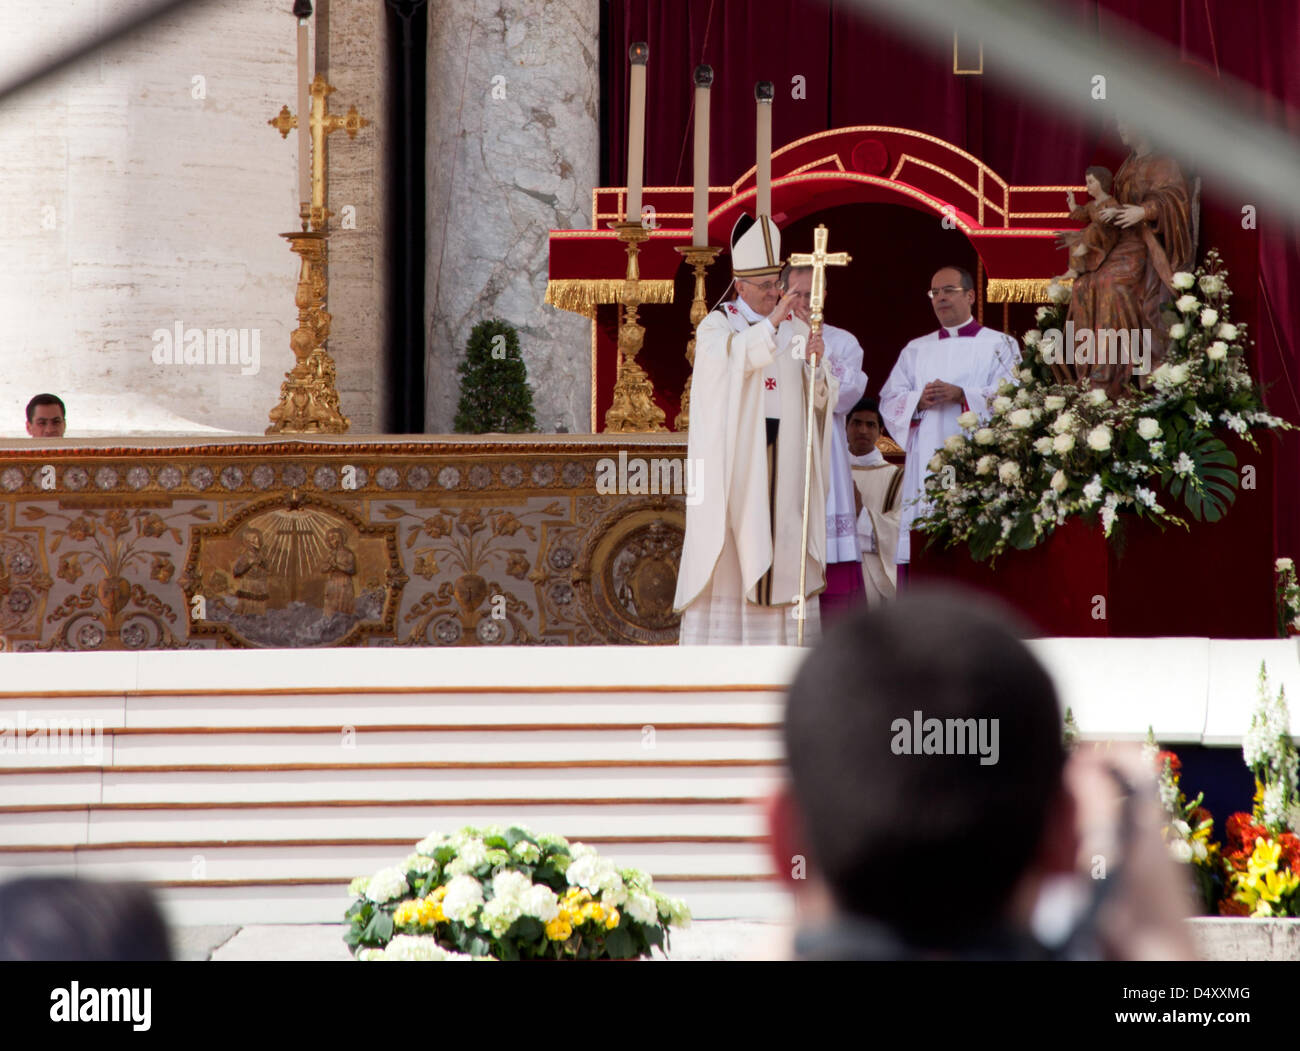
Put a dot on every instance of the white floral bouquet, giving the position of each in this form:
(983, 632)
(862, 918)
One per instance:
(1288, 598)
(1050, 449)
(506, 894)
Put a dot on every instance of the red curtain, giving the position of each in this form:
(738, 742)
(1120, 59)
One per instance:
(855, 71)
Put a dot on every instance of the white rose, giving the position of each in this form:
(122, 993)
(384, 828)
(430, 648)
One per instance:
(1063, 443)
(985, 436)
(1021, 419)
(1026, 375)
(1217, 351)
(954, 443)
(985, 464)
(1183, 280)
(1097, 397)
(1177, 330)
(464, 896)
(1041, 313)
(1099, 438)
(642, 908)
(1009, 472)
(1054, 403)
(1186, 304)
(1209, 317)
(1148, 428)
(1178, 374)
(1058, 293)
(1212, 284)
(1228, 331)
(540, 902)
(936, 461)
(1001, 404)
(1283, 565)
(1181, 851)
(1059, 481)
(387, 884)
(1063, 423)
(1043, 446)
(510, 885)
(967, 420)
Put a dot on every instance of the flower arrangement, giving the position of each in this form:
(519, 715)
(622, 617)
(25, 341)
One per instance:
(506, 894)
(1262, 852)
(1051, 449)
(1190, 826)
(1288, 598)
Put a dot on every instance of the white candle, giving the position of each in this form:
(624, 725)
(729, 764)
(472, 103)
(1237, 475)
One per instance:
(638, 53)
(764, 91)
(703, 80)
(304, 113)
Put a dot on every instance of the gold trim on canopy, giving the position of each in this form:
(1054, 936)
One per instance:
(582, 295)
(1020, 289)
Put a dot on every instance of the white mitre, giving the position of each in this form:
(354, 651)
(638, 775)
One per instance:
(755, 247)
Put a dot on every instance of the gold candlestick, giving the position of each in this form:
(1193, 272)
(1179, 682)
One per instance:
(701, 258)
(309, 402)
(634, 408)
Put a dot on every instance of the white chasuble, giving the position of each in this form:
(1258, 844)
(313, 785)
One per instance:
(739, 531)
(972, 357)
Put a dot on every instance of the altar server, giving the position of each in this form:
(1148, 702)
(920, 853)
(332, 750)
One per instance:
(738, 581)
(879, 485)
(938, 377)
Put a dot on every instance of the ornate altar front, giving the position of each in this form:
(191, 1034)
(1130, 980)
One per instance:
(256, 542)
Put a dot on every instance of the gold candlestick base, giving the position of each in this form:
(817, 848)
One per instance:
(309, 401)
(634, 409)
(701, 258)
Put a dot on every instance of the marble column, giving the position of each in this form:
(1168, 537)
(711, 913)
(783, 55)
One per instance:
(513, 125)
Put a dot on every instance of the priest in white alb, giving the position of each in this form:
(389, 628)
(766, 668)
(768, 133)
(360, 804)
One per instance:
(738, 580)
(936, 378)
(844, 589)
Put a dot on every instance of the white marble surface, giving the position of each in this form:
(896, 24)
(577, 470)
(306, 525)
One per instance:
(127, 204)
(502, 172)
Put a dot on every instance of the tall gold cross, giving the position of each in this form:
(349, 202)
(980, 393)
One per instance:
(320, 123)
(819, 259)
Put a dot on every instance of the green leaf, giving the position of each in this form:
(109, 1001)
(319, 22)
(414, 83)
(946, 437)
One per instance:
(1215, 467)
(618, 943)
(527, 928)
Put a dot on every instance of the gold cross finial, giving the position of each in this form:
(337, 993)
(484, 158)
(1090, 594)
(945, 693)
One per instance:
(819, 259)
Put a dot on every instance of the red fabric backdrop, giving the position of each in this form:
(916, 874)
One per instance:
(860, 72)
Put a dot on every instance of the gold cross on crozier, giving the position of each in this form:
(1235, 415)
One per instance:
(819, 259)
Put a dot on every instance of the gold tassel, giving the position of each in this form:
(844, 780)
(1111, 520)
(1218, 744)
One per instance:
(581, 295)
(1020, 289)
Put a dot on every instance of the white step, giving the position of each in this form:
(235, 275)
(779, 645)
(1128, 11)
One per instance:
(288, 860)
(317, 903)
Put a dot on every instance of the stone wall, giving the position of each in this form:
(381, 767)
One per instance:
(513, 97)
(143, 189)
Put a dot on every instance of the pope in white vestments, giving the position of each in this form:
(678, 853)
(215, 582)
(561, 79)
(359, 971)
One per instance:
(738, 580)
(935, 379)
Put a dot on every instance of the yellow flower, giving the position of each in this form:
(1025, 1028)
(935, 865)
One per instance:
(611, 921)
(558, 930)
(407, 913)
